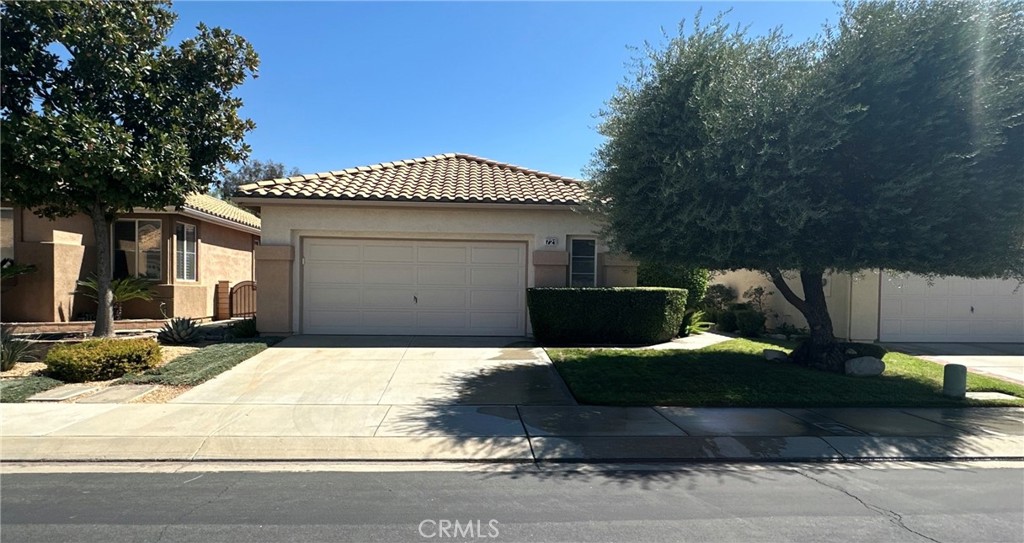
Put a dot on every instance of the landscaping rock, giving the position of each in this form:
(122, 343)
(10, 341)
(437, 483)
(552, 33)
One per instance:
(864, 366)
(772, 354)
(778, 336)
(850, 352)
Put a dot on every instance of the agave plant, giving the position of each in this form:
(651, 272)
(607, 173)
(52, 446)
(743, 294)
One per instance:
(14, 350)
(124, 289)
(178, 331)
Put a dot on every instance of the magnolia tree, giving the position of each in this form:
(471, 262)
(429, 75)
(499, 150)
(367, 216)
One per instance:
(101, 116)
(893, 141)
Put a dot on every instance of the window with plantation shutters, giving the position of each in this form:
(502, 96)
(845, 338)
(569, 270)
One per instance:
(185, 247)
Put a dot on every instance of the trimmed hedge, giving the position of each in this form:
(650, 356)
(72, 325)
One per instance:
(102, 359)
(590, 316)
(749, 322)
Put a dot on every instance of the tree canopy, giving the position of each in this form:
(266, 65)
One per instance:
(252, 171)
(101, 116)
(892, 141)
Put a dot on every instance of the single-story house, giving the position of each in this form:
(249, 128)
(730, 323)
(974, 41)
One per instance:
(439, 245)
(186, 252)
(874, 305)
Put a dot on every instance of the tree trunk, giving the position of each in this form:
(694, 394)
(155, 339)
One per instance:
(104, 297)
(822, 351)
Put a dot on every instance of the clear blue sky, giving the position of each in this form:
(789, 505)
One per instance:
(346, 84)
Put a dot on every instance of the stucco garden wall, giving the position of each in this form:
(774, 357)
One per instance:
(838, 295)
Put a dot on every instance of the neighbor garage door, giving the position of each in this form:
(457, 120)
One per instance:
(953, 309)
(392, 287)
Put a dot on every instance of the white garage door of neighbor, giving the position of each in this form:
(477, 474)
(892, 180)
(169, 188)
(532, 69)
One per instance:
(951, 309)
(392, 287)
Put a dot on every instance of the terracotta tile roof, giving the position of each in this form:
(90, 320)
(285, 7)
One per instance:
(219, 208)
(441, 178)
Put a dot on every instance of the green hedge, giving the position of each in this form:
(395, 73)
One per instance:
(102, 359)
(591, 316)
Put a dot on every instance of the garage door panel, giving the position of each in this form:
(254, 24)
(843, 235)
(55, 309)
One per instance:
(414, 287)
(389, 253)
(442, 275)
(954, 309)
(389, 320)
(481, 277)
(491, 299)
(442, 298)
(488, 255)
(488, 320)
(333, 252)
(332, 274)
(390, 298)
(332, 299)
(443, 255)
(454, 320)
(375, 274)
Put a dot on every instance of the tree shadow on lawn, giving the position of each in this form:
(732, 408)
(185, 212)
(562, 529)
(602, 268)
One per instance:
(484, 409)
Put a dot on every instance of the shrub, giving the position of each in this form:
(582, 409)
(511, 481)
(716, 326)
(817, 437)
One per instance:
(14, 350)
(758, 298)
(693, 323)
(245, 328)
(727, 321)
(628, 316)
(749, 322)
(179, 331)
(102, 359)
(718, 297)
(693, 280)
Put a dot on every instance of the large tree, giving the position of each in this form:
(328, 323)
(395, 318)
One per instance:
(99, 116)
(252, 171)
(893, 141)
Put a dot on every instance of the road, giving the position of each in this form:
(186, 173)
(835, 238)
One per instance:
(876, 502)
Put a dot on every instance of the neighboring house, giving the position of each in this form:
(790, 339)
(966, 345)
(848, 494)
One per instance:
(440, 245)
(881, 306)
(184, 252)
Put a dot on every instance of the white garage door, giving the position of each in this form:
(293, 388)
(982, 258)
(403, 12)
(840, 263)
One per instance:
(395, 287)
(953, 309)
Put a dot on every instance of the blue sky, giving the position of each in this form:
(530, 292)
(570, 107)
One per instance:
(346, 84)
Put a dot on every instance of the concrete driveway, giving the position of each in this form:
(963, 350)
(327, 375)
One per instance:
(1003, 360)
(383, 370)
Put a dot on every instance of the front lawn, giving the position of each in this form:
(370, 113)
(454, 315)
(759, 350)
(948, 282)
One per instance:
(202, 365)
(17, 390)
(735, 374)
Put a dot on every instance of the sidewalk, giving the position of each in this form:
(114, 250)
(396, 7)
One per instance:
(538, 433)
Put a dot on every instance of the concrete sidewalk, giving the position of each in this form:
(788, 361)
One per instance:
(501, 433)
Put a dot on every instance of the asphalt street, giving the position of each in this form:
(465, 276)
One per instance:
(822, 502)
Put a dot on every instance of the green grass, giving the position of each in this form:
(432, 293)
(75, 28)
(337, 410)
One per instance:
(18, 390)
(202, 365)
(734, 373)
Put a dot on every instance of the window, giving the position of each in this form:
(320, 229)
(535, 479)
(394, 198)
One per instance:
(137, 249)
(7, 233)
(185, 249)
(582, 262)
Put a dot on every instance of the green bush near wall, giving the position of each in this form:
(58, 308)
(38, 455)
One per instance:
(605, 316)
(101, 359)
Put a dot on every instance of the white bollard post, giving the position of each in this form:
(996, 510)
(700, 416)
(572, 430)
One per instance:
(954, 381)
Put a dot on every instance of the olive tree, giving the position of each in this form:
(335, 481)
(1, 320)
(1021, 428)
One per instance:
(101, 116)
(892, 141)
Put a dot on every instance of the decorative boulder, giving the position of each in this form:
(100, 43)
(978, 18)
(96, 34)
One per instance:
(778, 336)
(772, 354)
(850, 352)
(864, 366)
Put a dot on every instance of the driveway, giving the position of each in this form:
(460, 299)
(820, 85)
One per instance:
(385, 370)
(1003, 360)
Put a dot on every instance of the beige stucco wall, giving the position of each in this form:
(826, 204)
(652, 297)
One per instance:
(64, 252)
(286, 224)
(837, 296)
